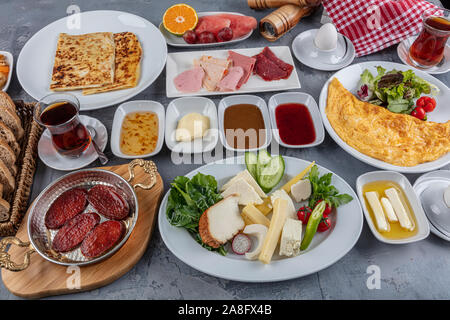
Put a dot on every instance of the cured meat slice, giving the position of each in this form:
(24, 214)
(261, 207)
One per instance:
(190, 80)
(74, 231)
(231, 80)
(241, 25)
(108, 202)
(283, 65)
(102, 238)
(211, 23)
(245, 62)
(214, 70)
(269, 67)
(65, 207)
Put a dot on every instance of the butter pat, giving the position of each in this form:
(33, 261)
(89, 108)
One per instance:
(399, 209)
(374, 202)
(191, 126)
(291, 238)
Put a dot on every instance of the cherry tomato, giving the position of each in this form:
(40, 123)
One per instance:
(429, 107)
(419, 113)
(190, 37)
(324, 224)
(303, 214)
(433, 101)
(421, 102)
(328, 208)
(225, 34)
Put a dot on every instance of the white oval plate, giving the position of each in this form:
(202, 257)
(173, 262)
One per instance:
(310, 103)
(349, 77)
(136, 106)
(175, 41)
(326, 248)
(10, 60)
(180, 107)
(35, 63)
(244, 99)
(422, 222)
(403, 54)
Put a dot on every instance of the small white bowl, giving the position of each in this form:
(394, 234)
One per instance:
(422, 221)
(10, 61)
(310, 103)
(244, 99)
(182, 106)
(136, 106)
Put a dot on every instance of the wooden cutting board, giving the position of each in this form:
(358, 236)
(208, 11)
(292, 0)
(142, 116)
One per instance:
(43, 278)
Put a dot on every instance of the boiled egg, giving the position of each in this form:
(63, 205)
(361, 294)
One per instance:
(326, 37)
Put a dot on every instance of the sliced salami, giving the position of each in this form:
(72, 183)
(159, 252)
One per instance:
(108, 202)
(102, 238)
(65, 207)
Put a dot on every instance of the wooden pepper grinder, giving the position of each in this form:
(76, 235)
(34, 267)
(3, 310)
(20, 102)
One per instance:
(277, 23)
(264, 4)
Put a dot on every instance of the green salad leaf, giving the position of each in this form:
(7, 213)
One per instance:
(322, 189)
(188, 199)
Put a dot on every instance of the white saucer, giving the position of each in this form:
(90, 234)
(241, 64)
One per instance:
(403, 54)
(307, 53)
(54, 160)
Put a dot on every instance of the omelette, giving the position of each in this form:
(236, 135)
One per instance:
(128, 56)
(398, 139)
(83, 61)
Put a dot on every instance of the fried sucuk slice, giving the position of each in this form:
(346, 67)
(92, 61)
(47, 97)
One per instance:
(65, 207)
(102, 238)
(74, 231)
(107, 201)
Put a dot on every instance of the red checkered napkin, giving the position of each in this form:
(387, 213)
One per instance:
(373, 25)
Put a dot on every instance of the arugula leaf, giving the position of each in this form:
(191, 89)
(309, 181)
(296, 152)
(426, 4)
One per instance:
(187, 201)
(323, 189)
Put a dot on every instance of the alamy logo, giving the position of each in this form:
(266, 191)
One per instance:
(74, 19)
(374, 280)
(74, 280)
(374, 20)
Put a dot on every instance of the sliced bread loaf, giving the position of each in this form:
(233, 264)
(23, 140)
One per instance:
(7, 134)
(11, 119)
(6, 178)
(7, 156)
(6, 101)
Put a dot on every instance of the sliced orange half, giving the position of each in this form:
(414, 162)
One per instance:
(180, 18)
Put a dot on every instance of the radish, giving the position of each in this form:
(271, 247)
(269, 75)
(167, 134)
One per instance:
(241, 244)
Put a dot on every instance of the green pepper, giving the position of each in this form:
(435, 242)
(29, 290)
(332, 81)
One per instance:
(313, 223)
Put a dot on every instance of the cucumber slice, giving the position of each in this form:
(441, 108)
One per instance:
(251, 161)
(271, 174)
(263, 159)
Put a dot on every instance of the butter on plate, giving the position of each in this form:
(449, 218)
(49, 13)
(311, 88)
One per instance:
(191, 126)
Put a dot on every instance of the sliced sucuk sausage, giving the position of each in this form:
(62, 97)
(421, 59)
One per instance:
(74, 231)
(65, 207)
(102, 238)
(107, 201)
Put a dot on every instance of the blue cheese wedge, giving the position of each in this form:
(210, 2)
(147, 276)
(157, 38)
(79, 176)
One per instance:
(291, 238)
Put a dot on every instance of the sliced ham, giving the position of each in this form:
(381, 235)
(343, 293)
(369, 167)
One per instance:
(241, 25)
(190, 80)
(231, 80)
(245, 62)
(214, 69)
(212, 23)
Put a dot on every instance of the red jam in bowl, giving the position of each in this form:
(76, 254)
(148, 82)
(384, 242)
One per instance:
(295, 124)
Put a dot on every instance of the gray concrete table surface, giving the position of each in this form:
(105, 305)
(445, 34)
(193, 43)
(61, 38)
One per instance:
(414, 271)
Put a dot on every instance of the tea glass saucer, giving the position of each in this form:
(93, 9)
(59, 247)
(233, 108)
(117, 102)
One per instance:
(51, 158)
(403, 54)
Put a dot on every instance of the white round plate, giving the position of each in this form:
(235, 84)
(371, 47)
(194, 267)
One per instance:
(325, 249)
(49, 155)
(306, 52)
(35, 63)
(403, 54)
(350, 76)
(176, 41)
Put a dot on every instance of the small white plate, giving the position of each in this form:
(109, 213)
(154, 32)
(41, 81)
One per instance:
(350, 76)
(244, 99)
(176, 41)
(307, 53)
(49, 155)
(35, 62)
(403, 54)
(10, 60)
(422, 222)
(309, 102)
(181, 61)
(180, 107)
(136, 106)
(436, 179)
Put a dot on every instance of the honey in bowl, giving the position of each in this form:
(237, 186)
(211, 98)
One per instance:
(139, 134)
(395, 230)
